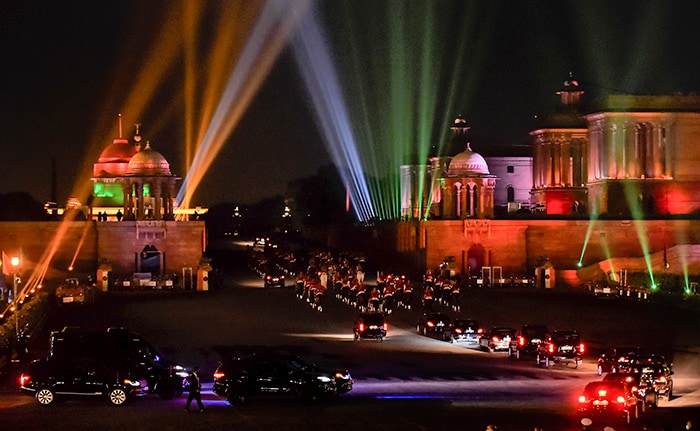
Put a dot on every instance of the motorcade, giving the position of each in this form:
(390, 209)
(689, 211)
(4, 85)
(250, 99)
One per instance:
(617, 359)
(639, 385)
(465, 331)
(560, 347)
(497, 339)
(609, 400)
(271, 374)
(72, 291)
(49, 379)
(527, 340)
(658, 376)
(118, 348)
(434, 323)
(370, 326)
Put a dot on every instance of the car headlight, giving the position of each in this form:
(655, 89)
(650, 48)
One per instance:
(130, 382)
(324, 379)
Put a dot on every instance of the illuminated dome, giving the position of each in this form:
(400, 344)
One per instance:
(468, 163)
(120, 150)
(148, 162)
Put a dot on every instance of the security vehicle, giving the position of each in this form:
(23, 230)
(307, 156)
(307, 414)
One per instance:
(432, 323)
(640, 385)
(49, 379)
(609, 400)
(617, 359)
(272, 374)
(465, 330)
(72, 291)
(497, 339)
(119, 348)
(370, 326)
(560, 347)
(527, 340)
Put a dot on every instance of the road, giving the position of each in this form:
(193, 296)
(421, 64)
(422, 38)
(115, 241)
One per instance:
(407, 382)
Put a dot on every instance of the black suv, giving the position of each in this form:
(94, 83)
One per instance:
(277, 374)
(369, 326)
(434, 323)
(617, 359)
(560, 346)
(611, 400)
(48, 379)
(527, 341)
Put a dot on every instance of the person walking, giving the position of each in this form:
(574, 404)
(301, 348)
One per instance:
(195, 390)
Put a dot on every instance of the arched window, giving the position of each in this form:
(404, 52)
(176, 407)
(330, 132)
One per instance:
(510, 191)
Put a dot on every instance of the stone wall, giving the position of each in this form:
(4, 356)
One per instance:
(82, 245)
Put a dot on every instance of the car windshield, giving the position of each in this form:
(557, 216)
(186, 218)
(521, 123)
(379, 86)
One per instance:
(466, 324)
(566, 338)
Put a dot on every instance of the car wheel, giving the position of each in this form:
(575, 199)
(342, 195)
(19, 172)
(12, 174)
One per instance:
(117, 396)
(45, 396)
(381, 339)
(166, 389)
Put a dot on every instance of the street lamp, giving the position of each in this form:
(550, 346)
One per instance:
(15, 264)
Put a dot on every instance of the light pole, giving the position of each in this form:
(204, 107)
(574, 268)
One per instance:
(15, 264)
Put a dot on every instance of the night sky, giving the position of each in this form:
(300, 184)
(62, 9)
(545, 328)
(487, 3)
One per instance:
(66, 67)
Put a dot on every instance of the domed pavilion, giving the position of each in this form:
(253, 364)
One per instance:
(133, 182)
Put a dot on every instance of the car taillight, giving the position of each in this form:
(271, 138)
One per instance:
(494, 339)
(458, 330)
(580, 348)
(362, 327)
(634, 389)
(620, 399)
(386, 327)
(269, 277)
(550, 348)
(219, 375)
(431, 324)
(521, 340)
(582, 399)
(24, 379)
(661, 379)
(602, 393)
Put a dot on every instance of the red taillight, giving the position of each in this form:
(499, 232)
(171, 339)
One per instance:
(580, 348)
(458, 330)
(620, 399)
(269, 277)
(362, 327)
(431, 324)
(219, 375)
(661, 379)
(24, 379)
(521, 340)
(494, 339)
(550, 348)
(480, 331)
(386, 327)
(582, 399)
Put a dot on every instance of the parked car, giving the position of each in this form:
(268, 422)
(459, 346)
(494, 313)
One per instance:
(465, 330)
(370, 326)
(657, 375)
(49, 379)
(527, 340)
(610, 400)
(73, 292)
(498, 338)
(277, 374)
(433, 323)
(617, 359)
(560, 346)
(639, 385)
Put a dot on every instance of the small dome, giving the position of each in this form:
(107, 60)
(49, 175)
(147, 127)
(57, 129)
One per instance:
(120, 150)
(468, 163)
(148, 162)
